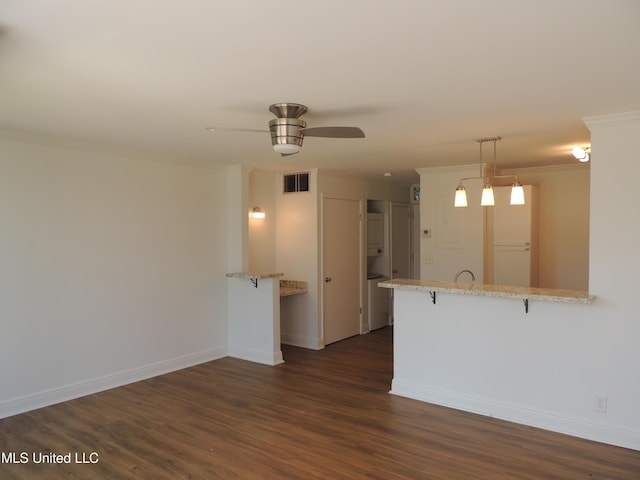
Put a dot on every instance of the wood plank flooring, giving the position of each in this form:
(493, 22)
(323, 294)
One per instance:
(321, 415)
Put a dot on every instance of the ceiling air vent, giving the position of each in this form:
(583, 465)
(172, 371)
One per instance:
(296, 182)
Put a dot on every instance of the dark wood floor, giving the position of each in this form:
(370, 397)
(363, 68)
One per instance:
(321, 415)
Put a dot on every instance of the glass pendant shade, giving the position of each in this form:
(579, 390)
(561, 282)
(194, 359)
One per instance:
(517, 194)
(487, 196)
(461, 197)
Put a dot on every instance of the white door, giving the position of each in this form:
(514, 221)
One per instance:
(512, 265)
(400, 241)
(511, 223)
(341, 245)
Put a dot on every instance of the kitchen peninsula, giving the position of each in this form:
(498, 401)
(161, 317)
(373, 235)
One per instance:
(495, 350)
(254, 301)
(254, 304)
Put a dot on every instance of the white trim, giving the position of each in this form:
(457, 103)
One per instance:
(257, 356)
(95, 385)
(570, 426)
(616, 118)
(302, 341)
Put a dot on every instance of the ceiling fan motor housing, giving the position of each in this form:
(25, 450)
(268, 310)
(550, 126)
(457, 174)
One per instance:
(288, 110)
(287, 131)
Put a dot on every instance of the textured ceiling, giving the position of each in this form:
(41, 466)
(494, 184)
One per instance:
(423, 79)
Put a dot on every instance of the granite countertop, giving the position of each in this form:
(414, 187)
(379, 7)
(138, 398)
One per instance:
(486, 290)
(287, 287)
(292, 287)
(253, 275)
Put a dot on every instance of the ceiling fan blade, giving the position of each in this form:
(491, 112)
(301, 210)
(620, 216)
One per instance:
(333, 132)
(345, 111)
(243, 130)
(288, 154)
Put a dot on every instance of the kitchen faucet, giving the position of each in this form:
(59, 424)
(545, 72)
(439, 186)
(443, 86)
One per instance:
(473, 277)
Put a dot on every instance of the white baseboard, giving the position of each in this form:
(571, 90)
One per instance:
(612, 435)
(300, 341)
(95, 385)
(258, 356)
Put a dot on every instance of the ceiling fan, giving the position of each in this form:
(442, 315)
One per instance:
(288, 130)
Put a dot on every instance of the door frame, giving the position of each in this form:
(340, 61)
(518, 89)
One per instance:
(361, 261)
(409, 230)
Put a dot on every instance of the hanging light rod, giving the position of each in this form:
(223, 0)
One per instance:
(489, 139)
(517, 191)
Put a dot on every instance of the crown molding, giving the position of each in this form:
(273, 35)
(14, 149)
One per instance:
(616, 118)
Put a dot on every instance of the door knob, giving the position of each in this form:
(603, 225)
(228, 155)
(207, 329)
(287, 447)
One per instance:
(327, 279)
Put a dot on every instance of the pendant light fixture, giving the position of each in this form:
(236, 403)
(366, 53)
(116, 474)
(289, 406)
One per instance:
(461, 196)
(517, 193)
(488, 199)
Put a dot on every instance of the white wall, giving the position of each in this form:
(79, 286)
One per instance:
(457, 238)
(262, 231)
(237, 218)
(297, 257)
(545, 367)
(111, 270)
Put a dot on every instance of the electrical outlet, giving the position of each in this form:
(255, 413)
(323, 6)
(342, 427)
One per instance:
(427, 259)
(600, 403)
(426, 233)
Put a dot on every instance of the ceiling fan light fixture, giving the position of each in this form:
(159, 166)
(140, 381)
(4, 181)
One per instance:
(286, 148)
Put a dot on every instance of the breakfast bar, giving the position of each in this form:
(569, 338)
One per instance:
(487, 290)
(474, 347)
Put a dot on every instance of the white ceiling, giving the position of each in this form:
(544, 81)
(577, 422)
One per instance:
(422, 78)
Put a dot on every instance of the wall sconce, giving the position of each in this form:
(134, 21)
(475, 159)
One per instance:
(581, 154)
(257, 212)
(488, 200)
